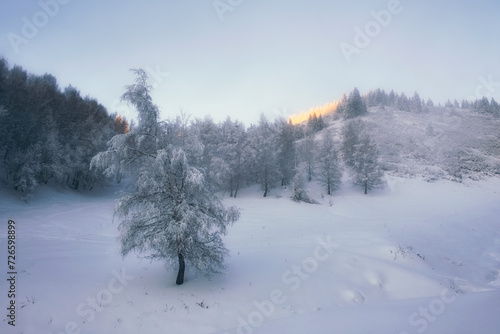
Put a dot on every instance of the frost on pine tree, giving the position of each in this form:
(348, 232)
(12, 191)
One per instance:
(229, 164)
(355, 106)
(366, 169)
(299, 185)
(171, 214)
(361, 156)
(329, 170)
(307, 152)
(264, 152)
(351, 133)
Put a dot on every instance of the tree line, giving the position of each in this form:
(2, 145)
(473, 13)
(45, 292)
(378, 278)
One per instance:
(273, 153)
(415, 103)
(49, 135)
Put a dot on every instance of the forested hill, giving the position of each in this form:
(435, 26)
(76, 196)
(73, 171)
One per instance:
(48, 135)
(416, 138)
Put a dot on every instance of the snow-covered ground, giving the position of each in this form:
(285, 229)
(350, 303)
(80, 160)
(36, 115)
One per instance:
(415, 257)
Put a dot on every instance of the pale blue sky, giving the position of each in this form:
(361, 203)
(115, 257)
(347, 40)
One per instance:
(277, 57)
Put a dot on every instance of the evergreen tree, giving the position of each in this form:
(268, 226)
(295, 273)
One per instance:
(205, 132)
(299, 185)
(229, 163)
(320, 123)
(391, 99)
(264, 147)
(403, 103)
(307, 155)
(355, 105)
(286, 151)
(416, 103)
(328, 163)
(366, 169)
(312, 123)
(351, 136)
(342, 105)
(494, 107)
(482, 105)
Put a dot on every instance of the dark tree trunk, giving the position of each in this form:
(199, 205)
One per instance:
(182, 268)
(237, 187)
(329, 188)
(231, 187)
(265, 189)
(366, 187)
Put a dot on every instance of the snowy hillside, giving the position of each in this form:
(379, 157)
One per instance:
(414, 257)
(451, 143)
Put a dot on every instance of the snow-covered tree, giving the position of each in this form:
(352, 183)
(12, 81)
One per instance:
(47, 135)
(307, 155)
(128, 152)
(355, 106)
(171, 213)
(416, 104)
(328, 164)
(366, 169)
(264, 152)
(351, 133)
(300, 193)
(286, 151)
(315, 123)
(377, 97)
(403, 103)
(174, 216)
(208, 134)
(228, 165)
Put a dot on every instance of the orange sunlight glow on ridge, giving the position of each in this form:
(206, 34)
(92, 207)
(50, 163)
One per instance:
(325, 109)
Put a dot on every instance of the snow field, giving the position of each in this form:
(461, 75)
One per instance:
(411, 258)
